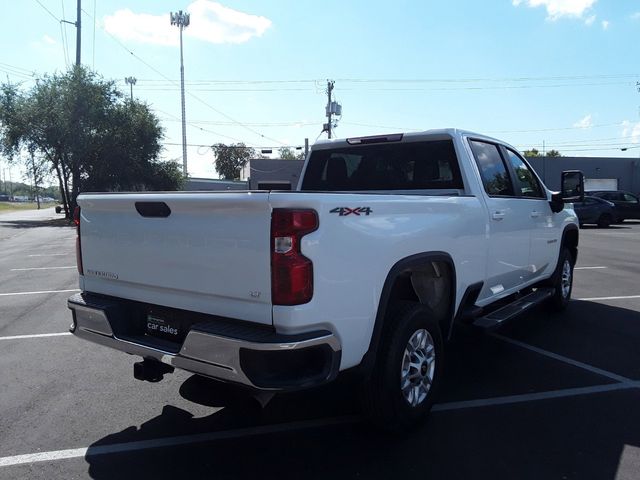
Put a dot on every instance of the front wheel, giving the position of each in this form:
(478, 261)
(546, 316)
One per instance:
(408, 368)
(605, 220)
(563, 282)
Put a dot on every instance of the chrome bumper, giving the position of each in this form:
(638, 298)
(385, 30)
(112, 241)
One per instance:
(235, 358)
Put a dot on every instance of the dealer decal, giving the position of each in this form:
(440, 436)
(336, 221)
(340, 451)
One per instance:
(344, 211)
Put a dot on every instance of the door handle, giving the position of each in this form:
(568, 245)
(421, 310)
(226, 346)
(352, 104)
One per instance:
(535, 214)
(498, 215)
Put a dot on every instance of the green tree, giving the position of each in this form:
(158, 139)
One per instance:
(287, 153)
(532, 153)
(92, 137)
(230, 159)
(535, 153)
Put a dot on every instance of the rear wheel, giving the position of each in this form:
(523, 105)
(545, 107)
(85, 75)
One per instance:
(605, 220)
(402, 387)
(562, 282)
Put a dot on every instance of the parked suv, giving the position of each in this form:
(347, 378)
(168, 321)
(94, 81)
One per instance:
(627, 205)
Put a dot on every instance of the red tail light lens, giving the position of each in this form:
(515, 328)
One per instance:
(291, 272)
(76, 221)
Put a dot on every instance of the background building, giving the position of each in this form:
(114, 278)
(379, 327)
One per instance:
(601, 173)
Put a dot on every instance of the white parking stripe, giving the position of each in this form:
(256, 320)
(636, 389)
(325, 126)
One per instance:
(566, 360)
(41, 268)
(50, 255)
(588, 268)
(35, 335)
(596, 299)
(532, 397)
(171, 441)
(288, 427)
(38, 293)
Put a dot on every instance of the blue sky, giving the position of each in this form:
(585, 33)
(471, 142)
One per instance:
(562, 72)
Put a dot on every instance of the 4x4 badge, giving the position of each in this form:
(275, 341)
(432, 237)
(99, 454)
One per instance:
(344, 211)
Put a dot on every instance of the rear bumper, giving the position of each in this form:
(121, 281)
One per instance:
(231, 351)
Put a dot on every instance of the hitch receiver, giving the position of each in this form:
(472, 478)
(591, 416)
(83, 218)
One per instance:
(150, 370)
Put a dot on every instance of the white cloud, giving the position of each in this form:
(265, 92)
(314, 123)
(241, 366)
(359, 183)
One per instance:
(589, 20)
(560, 8)
(635, 16)
(585, 122)
(216, 23)
(605, 24)
(210, 22)
(48, 40)
(631, 131)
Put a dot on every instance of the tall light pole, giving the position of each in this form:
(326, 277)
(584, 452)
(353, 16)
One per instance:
(181, 20)
(131, 81)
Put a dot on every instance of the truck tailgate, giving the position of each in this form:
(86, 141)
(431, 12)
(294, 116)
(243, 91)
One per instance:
(211, 254)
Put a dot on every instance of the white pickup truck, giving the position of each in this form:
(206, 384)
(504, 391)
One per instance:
(386, 245)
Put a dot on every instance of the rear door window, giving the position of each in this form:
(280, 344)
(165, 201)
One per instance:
(495, 177)
(391, 166)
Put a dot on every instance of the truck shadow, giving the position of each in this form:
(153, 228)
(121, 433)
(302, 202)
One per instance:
(589, 436)
(55, 222)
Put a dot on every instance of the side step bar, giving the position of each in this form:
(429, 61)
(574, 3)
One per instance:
(499, 317)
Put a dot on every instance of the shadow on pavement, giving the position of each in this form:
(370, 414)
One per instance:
(56, 222)
(595, 333)
(583, 437)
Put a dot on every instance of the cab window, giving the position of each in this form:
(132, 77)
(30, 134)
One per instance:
(527, 182)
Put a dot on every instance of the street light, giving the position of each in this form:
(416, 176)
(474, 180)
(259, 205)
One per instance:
(131, 81)
(181, 20)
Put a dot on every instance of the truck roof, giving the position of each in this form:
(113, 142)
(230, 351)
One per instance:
(411, 136)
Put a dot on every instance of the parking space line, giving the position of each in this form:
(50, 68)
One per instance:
(588, 268)
(39, 292)
(41, 268)
(172, 441)
(560, 358)
(35, 335)
(532, 397)
(50, 255)
(622, 297)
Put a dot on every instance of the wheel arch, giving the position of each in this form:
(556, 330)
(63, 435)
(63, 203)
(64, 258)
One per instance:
(396, 281)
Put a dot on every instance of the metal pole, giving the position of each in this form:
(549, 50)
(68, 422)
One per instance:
(78, 30)
(131, 81)
(184, 120)
(306, 148)
(182, 20)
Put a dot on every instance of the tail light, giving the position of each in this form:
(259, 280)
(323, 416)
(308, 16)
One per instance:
(76, 221)
(291, 272)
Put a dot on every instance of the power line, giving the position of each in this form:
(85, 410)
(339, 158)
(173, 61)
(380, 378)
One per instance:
(195, 97)
(48, 11)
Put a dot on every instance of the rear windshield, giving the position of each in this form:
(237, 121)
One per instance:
(397, 166)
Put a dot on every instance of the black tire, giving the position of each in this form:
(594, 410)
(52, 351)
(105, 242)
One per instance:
(562, 294)
(605, 220)
(384, 402)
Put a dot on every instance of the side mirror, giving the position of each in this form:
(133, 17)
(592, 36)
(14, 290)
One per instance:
(572, 186)
(571, 190)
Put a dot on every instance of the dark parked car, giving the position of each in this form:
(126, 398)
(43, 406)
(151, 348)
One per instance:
(595, 210)
(627, 205)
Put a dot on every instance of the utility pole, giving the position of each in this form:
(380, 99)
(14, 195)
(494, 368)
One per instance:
(181, 20)
(78, 25)
(131, 81)
(330, 84)
(78, 30)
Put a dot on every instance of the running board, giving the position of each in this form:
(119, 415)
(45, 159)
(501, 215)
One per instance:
(499, 317)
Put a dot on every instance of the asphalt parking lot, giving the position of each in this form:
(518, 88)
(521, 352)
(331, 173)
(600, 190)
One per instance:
(548, 396)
